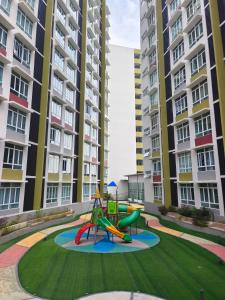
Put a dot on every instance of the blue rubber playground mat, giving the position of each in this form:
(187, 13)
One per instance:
(141, 240)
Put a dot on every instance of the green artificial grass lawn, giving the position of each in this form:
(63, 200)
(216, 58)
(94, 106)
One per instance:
(175, 269)
(210, 237)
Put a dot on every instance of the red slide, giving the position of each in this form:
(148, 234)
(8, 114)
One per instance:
(81, 231)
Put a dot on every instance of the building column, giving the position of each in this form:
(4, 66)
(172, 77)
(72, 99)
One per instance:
(219, 58)
(82, 102)
(163, 109)
(103, 79)
(43, 107)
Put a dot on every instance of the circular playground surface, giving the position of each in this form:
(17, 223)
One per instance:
(141, 239)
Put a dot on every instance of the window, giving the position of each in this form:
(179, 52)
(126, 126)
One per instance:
(200, 93)
(68, 117)
(53, 163)
(178, 52)
(66, 192)
(52, 193)
(68, 141)
(73, 31)
(138, 139)
(155, 143)
(61, 14)
(59, 59)
(24, 23)
(21, 53)
(183, 134)
(151, 39)
(69, 94)
(153, 78)
(3, 36)
(151, 19)
(181, 104)
(152, 57)
(192, 8)
(195, 34)
(70, 72)
(94, 170)
(31, 3)
(95, 134)
(185, 165)
(87, 149)
(1, 73)
(154, 99)
(19, 86)
(86, 169)
(174, 5)
(198, 62)
(209, 195)
(157, 191)
(138, 129)
(138, 118)
(206, 160)
(94, 152)
(5, 5)
(58, 84)
(55, 136)
(156, 167)
(13, 156)
(187, 194)
(86, 190)
(139, 162)
(71, 51)
(9, 195)
(60, 36)
(176, 28)
(179, 78)
(66, 166)
(16, 120)
(155, 121)
(203, 125)
(56, 110)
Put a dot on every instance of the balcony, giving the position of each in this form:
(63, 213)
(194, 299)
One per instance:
(18, 100)
(28, 10)
(56, 121)
(204, 140)
(3, 56)
(156, 177)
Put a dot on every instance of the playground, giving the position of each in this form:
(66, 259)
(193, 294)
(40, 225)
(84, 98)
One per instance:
(115, 247)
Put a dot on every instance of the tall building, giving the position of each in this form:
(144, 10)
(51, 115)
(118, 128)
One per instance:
(53, 102)
(183, 46)
(122, 125)
(138, 111)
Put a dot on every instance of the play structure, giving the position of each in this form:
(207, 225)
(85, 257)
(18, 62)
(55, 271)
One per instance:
(114, 218)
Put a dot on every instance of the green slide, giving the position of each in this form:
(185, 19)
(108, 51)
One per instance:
(132, 218)
(104, 223)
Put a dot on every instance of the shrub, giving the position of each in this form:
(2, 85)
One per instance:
(163, 210)
(172, 209)
(201, 217)
(185, 211)
(3, 222)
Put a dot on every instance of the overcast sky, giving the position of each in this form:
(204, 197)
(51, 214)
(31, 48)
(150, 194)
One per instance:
(125, 23)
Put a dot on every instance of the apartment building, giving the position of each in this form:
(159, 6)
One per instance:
(138, 111)
(53, 102)
(122, 115)
(182, 44)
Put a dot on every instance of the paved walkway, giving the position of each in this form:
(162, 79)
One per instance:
(216, 249)
(10, 288)
(120, 296)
